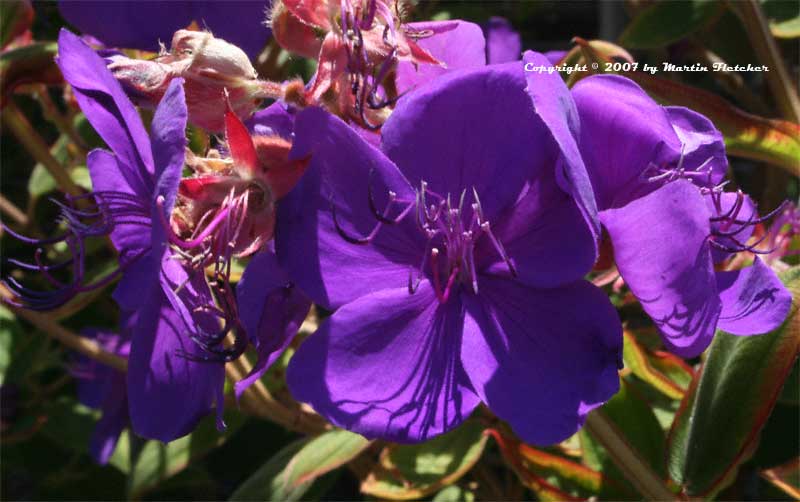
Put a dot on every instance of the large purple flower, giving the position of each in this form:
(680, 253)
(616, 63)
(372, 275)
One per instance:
(457, 262)
(657, 174)
(142, 25)
(135, 186)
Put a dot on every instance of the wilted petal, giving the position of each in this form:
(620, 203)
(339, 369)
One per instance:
(343, 170)
(554, 105)
(457, 44)
(754, 301)
(541, 359)
(661, 249)
(271, 309)
(387, 365)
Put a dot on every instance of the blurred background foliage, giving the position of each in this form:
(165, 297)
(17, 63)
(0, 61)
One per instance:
(724, 427)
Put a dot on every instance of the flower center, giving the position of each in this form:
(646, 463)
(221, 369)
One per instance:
(451, 231)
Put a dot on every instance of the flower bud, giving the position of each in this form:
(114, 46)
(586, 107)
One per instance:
(209, 66)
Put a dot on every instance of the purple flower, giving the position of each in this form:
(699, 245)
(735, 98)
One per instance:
(175, 374)
(272, 310)
(456, 262)
(104, 388)
(169, 390)
(657, 174)
(142, 25)
(503, 44)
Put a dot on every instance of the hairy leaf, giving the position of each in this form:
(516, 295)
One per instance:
(718, 424)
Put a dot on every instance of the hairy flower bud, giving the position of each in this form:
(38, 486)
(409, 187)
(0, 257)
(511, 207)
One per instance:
(209, 66)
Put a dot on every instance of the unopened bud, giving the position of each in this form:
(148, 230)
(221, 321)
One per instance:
(209, 67)
(293, 34)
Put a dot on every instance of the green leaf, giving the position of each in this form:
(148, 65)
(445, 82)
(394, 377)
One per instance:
(415, 471)
(454, 493)
(665, 22)
(718, 425)
(16, 16)
(784, 18)
(8, 327)
(635, 420)
(665, 372)
(289, 474)
(154, 461)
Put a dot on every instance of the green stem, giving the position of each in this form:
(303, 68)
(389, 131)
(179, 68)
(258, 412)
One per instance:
(19, 126)
(628, 460)
(78, 343)
(61, 121)
(780, 83)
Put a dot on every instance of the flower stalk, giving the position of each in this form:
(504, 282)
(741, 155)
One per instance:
(81, 344)
(780, 83)
(21, 128)
(627, 459)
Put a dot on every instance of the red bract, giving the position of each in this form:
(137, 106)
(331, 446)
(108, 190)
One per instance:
(241, 189)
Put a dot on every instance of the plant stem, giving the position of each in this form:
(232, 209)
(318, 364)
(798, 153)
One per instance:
(61, 121)
(258, 398)
(81, 344)
(15, 213)
(18, 124)
(780, 83)
(628, 460)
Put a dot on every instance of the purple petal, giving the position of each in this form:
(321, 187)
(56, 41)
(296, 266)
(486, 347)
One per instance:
(387, 365)
(168, 392)
(115, 418)
(343, 170)
(457, 44)
(138, 273)
(553, 103)
(493, 145)
(555, 57)
(108, 109)
(702, 143)
(623, 131)
(731, 206)
(541, 359)
(532, 233)
(271, 309)
(503, 44)
(168, 140)
(142, 25)
(272, 120)
(754, 301)
(661, 249)
(109, 175)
